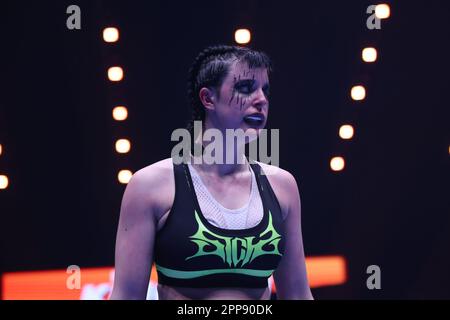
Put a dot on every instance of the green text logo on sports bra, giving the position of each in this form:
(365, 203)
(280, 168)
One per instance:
(235, 250)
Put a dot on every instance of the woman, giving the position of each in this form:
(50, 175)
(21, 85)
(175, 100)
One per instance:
(220, 230)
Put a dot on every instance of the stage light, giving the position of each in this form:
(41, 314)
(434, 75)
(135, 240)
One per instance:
(242, 36)
(124, 176)
(123, 146)
(346, 131)
(326, 270)
(337, 163)
(369, 54)
(1, 149)
(120, 113)
(4, 182)
(115, 73)
(110, 34)
(358, 93)
(98, 282)
(382, 11)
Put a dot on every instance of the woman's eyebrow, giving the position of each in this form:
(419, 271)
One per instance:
(246, 81)
(250, 81)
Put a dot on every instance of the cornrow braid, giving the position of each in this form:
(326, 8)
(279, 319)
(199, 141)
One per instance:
(210, 68)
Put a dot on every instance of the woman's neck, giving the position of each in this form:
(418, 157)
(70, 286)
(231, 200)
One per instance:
(223, 166)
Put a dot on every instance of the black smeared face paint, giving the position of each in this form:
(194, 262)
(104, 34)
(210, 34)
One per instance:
(243, 101)
(244, 88)
(233, 91)
(238, 87)
(238, 81)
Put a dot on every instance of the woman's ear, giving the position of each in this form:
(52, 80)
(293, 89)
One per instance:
(207, 97)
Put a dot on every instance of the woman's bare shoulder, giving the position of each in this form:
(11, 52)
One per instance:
(277, 175)
(157, 179)
(154, 172)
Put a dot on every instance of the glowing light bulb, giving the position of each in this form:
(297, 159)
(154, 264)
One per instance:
(382, 11)
(346, 131)
(120, 113)
(337, 163)
(358, 93)
(369, 54)
(124, 176)
(242, 36)
(115, 73)
(4, 182)
(111, 34)
(123, 146)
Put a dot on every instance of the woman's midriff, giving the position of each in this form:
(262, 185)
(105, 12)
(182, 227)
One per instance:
(181, 293)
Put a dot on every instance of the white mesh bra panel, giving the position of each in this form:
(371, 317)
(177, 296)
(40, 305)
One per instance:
(245, 217)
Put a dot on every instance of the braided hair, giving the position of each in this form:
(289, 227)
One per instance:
(211, 67)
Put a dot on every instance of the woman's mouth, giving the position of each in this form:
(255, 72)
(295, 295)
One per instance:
(254, 120)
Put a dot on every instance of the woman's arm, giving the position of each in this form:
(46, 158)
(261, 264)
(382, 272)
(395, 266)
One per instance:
(290, 277)
(134, 242)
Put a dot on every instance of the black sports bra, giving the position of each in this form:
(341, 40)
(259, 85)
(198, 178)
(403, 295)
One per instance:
(191, 252)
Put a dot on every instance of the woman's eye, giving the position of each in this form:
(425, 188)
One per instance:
(246, 88)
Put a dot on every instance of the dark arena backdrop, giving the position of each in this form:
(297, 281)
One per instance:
(374, 193)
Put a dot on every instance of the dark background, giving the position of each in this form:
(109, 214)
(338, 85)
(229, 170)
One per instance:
(389, 207)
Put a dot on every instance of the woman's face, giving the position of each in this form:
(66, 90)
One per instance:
(243, 101)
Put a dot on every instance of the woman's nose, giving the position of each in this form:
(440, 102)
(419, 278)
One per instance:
(261, 99)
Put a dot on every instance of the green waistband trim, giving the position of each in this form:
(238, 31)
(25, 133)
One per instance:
(178, 274)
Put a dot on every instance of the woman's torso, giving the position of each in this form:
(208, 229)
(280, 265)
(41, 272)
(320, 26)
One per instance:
(237, 193)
